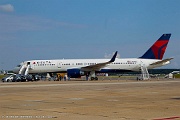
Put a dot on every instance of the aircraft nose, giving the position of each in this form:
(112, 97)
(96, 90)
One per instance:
(16, 70)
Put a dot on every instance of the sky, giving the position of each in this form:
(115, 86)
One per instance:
(57, 29)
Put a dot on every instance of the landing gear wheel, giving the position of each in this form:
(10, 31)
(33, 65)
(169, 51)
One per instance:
(92, 78)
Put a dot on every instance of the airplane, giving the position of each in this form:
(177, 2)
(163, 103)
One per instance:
(75, 68)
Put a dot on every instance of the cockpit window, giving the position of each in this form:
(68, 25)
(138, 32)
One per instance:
(18, 65)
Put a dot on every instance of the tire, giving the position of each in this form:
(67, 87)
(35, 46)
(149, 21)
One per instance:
(92, 78)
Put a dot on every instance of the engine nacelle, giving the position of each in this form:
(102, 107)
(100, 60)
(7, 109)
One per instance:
(74, 73)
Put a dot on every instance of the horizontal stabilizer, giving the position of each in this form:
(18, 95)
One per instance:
(162, 61)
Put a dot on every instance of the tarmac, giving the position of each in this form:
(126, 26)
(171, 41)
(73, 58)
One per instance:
(91, 100)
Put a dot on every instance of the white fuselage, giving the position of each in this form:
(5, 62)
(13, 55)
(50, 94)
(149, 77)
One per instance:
(62, 65)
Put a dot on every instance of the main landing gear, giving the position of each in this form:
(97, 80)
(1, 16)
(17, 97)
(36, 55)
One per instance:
(94, 78)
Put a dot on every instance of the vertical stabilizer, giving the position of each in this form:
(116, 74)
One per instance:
(157, 50)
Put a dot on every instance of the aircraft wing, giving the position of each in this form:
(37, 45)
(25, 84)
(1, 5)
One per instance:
(99, 65)
(162, 61)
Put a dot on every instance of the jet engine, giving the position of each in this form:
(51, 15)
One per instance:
(74, 73)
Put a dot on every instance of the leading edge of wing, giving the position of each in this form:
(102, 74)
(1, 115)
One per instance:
(99, 65)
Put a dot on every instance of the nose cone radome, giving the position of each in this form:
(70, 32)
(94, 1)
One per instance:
(16, 70)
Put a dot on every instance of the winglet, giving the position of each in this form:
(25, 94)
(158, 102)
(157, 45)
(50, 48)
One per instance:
(114, 57)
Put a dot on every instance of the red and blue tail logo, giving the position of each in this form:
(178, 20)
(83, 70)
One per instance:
(157, 50)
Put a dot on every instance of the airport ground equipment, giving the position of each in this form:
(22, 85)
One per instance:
(144, 72)
(61, 76)
(25, 69)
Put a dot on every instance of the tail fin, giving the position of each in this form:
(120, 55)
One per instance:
(157, 50)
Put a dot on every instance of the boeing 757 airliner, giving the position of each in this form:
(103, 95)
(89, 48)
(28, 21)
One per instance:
(74, 68)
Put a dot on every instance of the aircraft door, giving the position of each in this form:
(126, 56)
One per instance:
(59, 64)
(31, 65)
